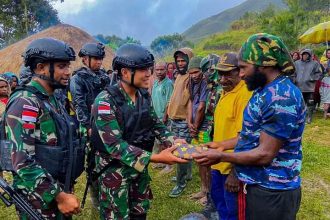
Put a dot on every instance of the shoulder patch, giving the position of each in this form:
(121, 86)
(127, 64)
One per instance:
(104, 103)
(29, 116)
(103, 108)
(30, 107)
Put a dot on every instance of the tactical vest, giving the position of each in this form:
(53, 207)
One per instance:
(94, 84)
(137, 123)
(65, 158)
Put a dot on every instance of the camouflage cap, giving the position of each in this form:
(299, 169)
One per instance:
(227, 62)
(195, 63)
(267, 50)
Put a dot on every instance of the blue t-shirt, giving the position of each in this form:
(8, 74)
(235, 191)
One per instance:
(279, 110)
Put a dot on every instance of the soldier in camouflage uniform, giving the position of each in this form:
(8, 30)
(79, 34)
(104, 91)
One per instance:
(35, 123)
(208, 65)
(126, 126)
(88, 81)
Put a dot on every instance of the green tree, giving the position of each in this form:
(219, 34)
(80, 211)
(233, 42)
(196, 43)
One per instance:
(19, 18)
(165, 44)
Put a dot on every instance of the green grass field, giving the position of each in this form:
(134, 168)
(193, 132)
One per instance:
(315, 185)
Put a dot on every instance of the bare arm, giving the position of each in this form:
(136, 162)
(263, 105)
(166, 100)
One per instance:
(228, 144)
(259, 156)
(199, 115)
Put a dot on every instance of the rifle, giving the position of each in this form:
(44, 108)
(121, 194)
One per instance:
(68, 177)
(10, 196)
(89, 172)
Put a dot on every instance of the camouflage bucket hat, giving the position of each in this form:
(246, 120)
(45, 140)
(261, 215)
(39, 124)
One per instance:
(267, 50)
(195, 63)
(228, 62)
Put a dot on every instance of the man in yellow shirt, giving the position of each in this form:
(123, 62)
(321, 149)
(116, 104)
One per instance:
(228, 118)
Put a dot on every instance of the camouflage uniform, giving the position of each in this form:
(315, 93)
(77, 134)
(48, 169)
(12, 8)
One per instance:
(124, 188)
(214, 95)
(267, 50)
(27, 124)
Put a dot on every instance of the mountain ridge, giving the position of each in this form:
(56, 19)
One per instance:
(221, 21)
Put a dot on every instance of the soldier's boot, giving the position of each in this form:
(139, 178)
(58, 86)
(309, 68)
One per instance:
(137, 217)
(181, 179)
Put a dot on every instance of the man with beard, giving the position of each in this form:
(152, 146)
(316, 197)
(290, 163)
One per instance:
(177, 113)
(268, 154)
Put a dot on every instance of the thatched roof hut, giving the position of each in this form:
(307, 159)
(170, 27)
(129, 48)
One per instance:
(11, 56)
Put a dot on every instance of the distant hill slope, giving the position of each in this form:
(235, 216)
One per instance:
(221, 22)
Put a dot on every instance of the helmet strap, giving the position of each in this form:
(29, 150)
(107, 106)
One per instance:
(132, 79)
(89, 62)
(50, 78)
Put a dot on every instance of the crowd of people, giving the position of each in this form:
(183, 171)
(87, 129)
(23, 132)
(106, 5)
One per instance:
(312, 78)
(246, 109)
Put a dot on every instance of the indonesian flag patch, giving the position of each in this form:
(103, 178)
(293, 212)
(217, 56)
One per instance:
(30, 113)
(103, 108)
(29, 116)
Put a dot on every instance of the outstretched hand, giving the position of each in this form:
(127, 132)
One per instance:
(207, 158)
(166, 156)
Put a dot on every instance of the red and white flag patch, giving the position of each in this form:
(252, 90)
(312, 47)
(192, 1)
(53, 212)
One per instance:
(29, 116)
(103, 108)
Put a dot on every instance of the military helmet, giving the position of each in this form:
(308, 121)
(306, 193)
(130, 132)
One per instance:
(132, 56)
(48, 49)
(92, 50)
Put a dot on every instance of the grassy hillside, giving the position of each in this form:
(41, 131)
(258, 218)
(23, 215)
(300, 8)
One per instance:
(222, 21)
(224, 42)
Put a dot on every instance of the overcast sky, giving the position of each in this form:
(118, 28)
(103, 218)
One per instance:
(142, 19)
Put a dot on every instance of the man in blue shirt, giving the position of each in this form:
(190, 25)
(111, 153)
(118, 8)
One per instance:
(268, 154)
(162, 90)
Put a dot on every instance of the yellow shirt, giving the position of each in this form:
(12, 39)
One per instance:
(228, 118)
